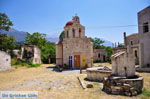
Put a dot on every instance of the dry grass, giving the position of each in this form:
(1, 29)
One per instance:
(72, 90)
(102, 64)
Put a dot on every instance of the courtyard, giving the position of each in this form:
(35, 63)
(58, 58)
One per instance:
(52, 84)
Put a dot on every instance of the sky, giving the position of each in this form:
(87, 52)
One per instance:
(101, 18)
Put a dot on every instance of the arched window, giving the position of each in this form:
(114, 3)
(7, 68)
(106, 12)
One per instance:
(73, 31)
(79, 32)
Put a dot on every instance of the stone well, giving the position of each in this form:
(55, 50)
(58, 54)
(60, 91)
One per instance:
(136, 83)
(97, 73)
(123, 80)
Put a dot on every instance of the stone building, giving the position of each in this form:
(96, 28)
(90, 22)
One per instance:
(99, 55)
(133, 40)
(5, 61)
(76, 49)
(31, 53)
(118, 49)
(144, 32)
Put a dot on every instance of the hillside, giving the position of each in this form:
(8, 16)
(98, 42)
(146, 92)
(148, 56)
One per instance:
(21, 35)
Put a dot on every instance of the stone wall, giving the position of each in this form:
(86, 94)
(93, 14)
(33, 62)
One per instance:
(78, 46)
(132, 39)
(5, 61)
(136, 83)
(59, 53)
(123, 64)
(37, 55)
(94, 74)
(119, 49)
(34, 51)
(100, 55)
(144, 17)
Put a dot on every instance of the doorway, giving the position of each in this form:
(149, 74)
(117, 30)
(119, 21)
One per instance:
(77, 60)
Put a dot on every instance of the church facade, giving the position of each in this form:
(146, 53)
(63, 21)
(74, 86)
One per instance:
(76, 49)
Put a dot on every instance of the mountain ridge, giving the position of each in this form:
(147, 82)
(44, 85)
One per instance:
(21, 35)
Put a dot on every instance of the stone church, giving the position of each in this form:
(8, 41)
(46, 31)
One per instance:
(76, 49)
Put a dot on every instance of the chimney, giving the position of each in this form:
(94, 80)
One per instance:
(125, 42)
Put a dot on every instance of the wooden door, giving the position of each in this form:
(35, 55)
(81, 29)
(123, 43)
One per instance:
(77, 60)
(83, 61)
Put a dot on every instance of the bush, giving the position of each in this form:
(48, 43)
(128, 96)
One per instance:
(34, 65)
(22, 62)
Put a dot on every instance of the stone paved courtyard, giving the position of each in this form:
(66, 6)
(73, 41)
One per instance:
(56, 85)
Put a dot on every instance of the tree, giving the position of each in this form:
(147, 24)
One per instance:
(47, 48)
(48, 51)
(62, 35)
(109, 53)
(36, 38)
(97, 43)
(121, 45)
(5, 22)
(7, 43)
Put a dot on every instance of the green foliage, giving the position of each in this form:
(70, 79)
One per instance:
(22, 62)
(5, 22)
(109, 52)
(97, 43)
(36, 38)
(47, 51)
(121, 45)
(62, 35)
(33, 65)
(146, 92)
(47, 48)
(7, 42)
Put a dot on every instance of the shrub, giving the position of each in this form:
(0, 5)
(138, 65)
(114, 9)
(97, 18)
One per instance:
(22, 62)
(34, 65)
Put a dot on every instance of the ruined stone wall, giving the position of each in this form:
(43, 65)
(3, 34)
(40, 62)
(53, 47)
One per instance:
(99, 55)
(35, 58)
(37, 55)
(59, 52)
(144, 17)
(5, 61)
(123, 64)
(78, 46)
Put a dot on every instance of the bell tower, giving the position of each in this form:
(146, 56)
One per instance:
(73, 28)
(76, 19)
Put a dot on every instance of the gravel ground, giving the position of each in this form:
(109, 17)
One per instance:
(52, 84)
